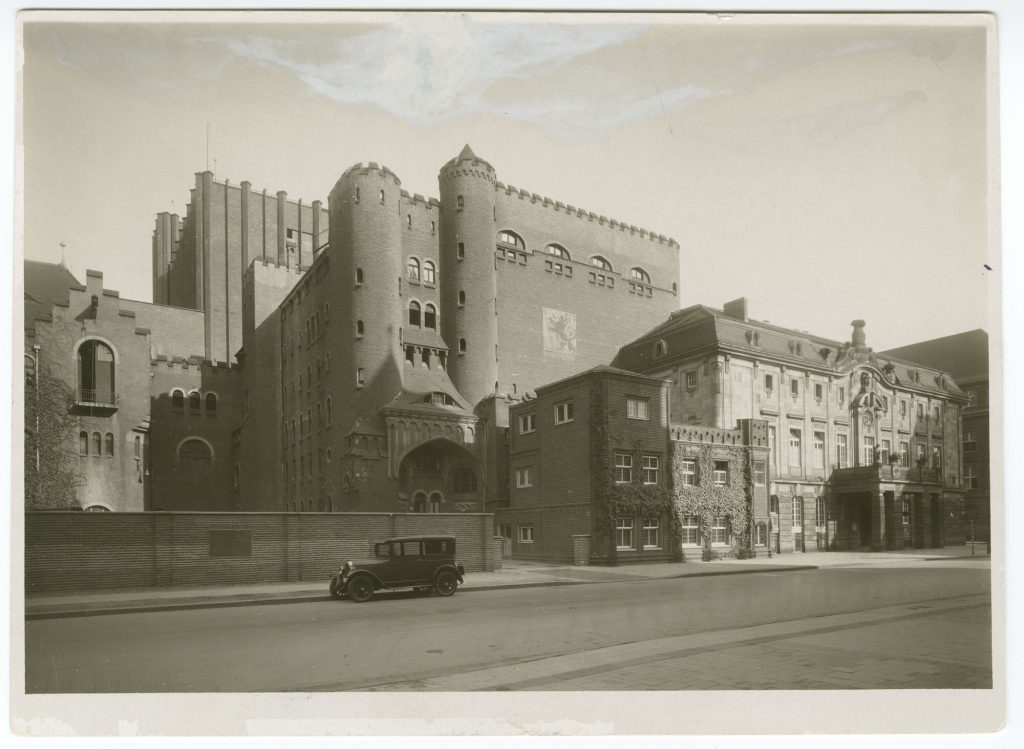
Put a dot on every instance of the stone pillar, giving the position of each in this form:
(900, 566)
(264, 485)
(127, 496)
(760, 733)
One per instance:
(581, 550)
(878, 529)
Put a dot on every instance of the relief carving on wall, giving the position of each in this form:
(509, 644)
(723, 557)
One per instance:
(559, 330)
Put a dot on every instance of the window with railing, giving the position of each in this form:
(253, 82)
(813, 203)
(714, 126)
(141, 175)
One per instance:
(96, 373)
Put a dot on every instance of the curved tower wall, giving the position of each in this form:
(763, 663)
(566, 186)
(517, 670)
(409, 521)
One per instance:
(471, 223)
(365, 235)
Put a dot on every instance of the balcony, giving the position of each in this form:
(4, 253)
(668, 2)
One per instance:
(96, 399)
(886, 473)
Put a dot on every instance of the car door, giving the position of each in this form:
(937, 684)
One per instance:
(406, 558)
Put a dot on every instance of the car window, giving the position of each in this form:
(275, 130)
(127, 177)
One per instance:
(413, 548)
(382, 551)
(396, 549)
(437, 546)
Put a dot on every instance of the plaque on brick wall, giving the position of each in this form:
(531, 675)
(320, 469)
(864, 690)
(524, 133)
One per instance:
(230, 542)
(559, 330)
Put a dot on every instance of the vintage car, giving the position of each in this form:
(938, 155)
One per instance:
(419, 562)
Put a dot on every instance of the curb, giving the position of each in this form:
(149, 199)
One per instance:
(103, 610)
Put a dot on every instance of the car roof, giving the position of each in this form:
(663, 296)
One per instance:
(417, 538)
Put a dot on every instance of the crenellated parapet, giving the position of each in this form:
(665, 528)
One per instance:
(706, 435)
(558, 206)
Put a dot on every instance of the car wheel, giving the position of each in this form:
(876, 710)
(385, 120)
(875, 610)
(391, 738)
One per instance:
(336, 590)
(445, 583)
(360, 589)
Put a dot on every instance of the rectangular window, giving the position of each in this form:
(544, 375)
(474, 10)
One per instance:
(526, 534)
(937, 413)
(624, 533)
(841, 395)
(526, 423)
(523, 478)
(969, 444)
(689, 472)
(921, 453)
(798, 514)
(970, 478)
(868, 455)
(721, 472)
(920, 410)
(795, 450)
(636, 408)
(817, 391)
(690, 530)
(794, 388)
(906, 511)
(563, 412)
(650, 469)
(903, 409)
(819, 512)
(623, 468)
(773, 454)
(937, 457)
(759, 472)
(503, 530)
(719, 531)
(885, 452)
(691, 380)
(769, 384)
(652, 533)
(905, 454)
(842, 444)
(819, 449)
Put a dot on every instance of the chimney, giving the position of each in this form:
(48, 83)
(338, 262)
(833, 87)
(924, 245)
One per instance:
(736, 309)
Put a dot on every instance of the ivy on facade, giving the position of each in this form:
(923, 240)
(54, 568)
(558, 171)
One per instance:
(706, 501)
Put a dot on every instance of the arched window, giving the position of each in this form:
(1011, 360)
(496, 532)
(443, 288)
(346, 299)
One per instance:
(557, 251)
(194, 452)
(426, 358)
(460, 202)
(95, 372)
(639, 275)
(236, 476)
(97, 443)
(83, 443)
(408, 220)
(309, 377)
(412, 269)
(328, 412)
(410, 354)
(309, 421)
(108, 444)
(327, 312)
(211, 404)
(195, 402)
(599, 262)
(360, 377)
(178, 400)
(430, 317)
(462, 345)
(359, 275)
(465, 480)
(138, 446)
(462, 251)
(462, 298)
(319, 371)
(511, 239)
(359, 328)
(382, 197)
(414, 313)
(428, 272)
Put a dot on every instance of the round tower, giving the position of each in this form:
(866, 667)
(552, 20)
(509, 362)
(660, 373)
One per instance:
(469, 322)
(366, 263)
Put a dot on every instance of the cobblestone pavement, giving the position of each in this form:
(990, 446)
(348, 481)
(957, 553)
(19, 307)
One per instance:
(942, 644)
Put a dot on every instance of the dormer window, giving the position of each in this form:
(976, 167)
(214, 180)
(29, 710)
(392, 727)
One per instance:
(440, 399)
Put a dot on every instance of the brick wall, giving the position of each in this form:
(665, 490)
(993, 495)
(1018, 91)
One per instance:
(84, 551)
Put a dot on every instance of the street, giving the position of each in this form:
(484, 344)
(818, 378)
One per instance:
(915, 626)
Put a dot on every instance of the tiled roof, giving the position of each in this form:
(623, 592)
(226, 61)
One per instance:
(419, 382)
(429, 338)
(46, 284)
(699, 328)
(963, 355)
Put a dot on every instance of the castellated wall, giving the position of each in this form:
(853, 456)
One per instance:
(558, 317)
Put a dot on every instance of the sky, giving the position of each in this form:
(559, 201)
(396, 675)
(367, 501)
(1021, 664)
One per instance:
(825, 170)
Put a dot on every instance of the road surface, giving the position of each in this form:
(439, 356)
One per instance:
(918, 626)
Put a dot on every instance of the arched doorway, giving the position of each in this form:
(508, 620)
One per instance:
(440, 476)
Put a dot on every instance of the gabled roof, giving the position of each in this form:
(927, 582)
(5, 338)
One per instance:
(963, 355)
(46, 284)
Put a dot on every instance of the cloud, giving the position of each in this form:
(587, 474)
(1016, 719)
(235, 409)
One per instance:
(429, 70)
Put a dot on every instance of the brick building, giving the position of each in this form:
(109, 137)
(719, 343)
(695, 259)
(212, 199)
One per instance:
(964, 357)
(452, 354)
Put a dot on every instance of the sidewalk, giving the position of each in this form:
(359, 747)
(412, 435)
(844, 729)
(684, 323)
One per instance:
(514, 574)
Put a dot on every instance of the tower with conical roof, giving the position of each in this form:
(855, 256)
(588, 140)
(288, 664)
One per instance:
(469, 321)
